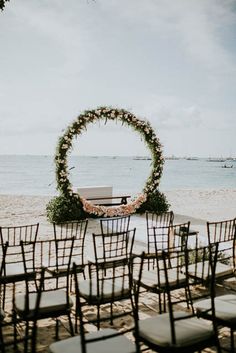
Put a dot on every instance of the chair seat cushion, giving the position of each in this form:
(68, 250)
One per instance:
(14, 272)
(149, 279)
(51, 301)
(189, 331)
(105, 291)
(115, 344)
(197, 270)
(225, 308)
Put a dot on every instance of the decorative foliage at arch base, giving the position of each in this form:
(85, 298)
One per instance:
(65, 145)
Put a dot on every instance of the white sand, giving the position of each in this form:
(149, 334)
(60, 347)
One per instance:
(198, 206)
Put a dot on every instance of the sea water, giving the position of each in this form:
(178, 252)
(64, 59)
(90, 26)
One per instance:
(35, 175)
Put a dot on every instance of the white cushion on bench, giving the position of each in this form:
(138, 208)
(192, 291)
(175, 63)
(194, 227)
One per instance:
(90, 192)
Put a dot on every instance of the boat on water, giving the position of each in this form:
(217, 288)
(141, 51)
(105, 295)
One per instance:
(172, 158)
(227, 166)
(192, 159)
(216, 160)
(140, 158)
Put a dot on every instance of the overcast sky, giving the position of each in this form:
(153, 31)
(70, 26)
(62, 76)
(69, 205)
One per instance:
(170, 62)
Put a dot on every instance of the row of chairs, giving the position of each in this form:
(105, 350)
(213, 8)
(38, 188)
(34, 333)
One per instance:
(88, 292)
(110, 282)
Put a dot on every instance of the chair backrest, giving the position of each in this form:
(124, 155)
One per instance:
(13, 236)
(169, 237)
(113, 245)
(64, 250)
(114, 224)
(76, 229)
(154, 219)
(199, 267)
(221, 231)
(224, 233)
(53, 255)
(115, 285)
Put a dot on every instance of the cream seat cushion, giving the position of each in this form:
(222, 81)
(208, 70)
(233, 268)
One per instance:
(149, 279)
(106, 290)
(189, 331)
(225, 307)
(51, 301)
(197, 270)
(14, 271)
(115, 344)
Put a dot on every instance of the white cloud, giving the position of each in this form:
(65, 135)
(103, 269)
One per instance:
(172, 62)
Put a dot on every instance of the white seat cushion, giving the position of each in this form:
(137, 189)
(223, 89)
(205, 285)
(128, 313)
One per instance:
(189, 331)
(115, 344)
(107, 289)
(149, 279)
(197, 270)
(51, 301)
(225, 307)
(14, 269)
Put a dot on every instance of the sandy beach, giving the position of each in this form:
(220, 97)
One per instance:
(197, 206)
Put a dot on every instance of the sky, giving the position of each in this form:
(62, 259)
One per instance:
(172, 63)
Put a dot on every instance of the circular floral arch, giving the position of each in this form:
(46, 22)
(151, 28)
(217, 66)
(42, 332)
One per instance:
(78, 127)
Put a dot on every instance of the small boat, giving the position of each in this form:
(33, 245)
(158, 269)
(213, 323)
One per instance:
(215, 160)
(142, 158)
(227, 166)
(172, 158)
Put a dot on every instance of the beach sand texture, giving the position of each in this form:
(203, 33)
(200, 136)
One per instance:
(197, 206)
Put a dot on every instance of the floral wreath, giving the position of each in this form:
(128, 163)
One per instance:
(77, 127)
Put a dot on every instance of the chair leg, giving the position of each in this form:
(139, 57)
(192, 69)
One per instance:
(111, 311)
(26, 337)
(4, 296)
(57, 328)
(98, 317)
(34, 337)
(71, 325)
(14, 318)
(232, 339)
(2, 347)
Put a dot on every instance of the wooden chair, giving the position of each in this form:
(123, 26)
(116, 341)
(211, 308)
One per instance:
(224, 304)
(13, 263)
(9, 322)
(55, 300)
(175, 330)
(156, 220)
(224, 234)
(116, 285)
(76, 229)
(172, 239)
(107, 248)
(114, 224)
(111, 246)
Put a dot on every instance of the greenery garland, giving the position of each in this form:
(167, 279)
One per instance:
(77, 128)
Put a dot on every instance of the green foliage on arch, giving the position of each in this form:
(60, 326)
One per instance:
(64, 186)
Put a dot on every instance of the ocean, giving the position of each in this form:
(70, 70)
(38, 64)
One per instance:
(35, 175)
